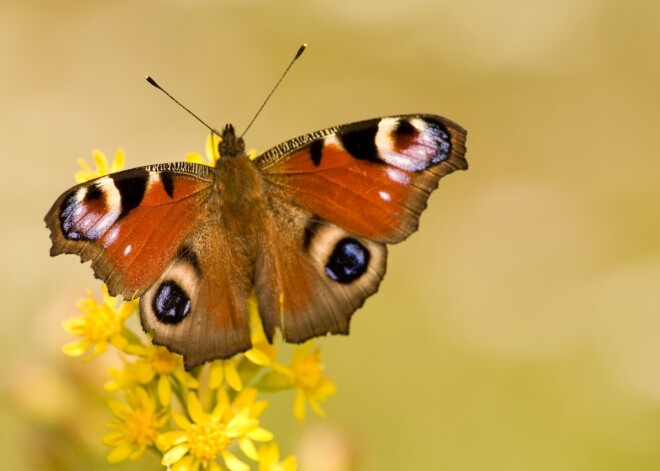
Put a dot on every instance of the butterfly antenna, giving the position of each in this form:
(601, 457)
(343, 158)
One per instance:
(301, 49)
(155, 84)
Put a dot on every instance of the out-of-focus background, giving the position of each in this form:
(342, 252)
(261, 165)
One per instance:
(518, 329)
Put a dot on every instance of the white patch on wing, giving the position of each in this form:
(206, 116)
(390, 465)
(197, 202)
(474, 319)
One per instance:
(384, 142)
(110, 193)
(154, 177)
(332, 140)
(110, 237)
(385, 196)
(397, 175)
(112, 199)
(418, 124)
(103, 224)
(90, 219)
(80, 194)
(428, 139)
(418, 155)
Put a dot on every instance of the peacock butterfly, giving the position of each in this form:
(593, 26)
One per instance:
(305, 225)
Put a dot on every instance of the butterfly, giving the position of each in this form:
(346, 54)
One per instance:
(305, 225)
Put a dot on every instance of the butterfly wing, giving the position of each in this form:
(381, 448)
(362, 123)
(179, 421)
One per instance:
(311, 275)
(372, 178)
(337, 196)
(154, 232)
(130, 224)
(198, 305)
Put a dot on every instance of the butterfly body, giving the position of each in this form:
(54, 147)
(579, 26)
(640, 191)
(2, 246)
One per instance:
(305, 225)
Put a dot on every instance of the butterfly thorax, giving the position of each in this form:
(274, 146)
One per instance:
(240, 197)
(239, 184)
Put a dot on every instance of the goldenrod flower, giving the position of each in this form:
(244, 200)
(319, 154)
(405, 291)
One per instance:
(224, 371)
(137, 425)
(246, 399)
(306, 375)
(211, 152)
(208, 435)
(269, 459)
(131, 375)
(158, 362)
(102, 166)
(262, 351)
(100, 324)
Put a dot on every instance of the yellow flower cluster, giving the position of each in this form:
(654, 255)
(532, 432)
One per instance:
(204, 419)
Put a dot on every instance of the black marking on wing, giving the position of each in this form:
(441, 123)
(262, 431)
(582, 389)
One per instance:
(442, 140)
(360, 141)
(94, 192)
(187, 254)
(310, 231)
(404, 128)
(168, 183)
(171, 304)
(131, 186)
(316, 151)
(67, 213)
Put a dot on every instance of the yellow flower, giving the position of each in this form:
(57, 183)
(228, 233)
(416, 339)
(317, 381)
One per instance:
(208, 435)
(262, 352)
(102, 166)
(154, 362)
(158, 362)
(131, 375)
(100, 324)
(211, 152)
(306, 375)
(225, 371)
(246, 399)
(137, 425)
(269, 459)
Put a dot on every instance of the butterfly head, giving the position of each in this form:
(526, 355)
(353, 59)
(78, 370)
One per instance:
(231, 145)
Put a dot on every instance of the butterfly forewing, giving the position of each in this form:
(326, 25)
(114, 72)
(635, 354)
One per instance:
(372, 178)
(130, 223)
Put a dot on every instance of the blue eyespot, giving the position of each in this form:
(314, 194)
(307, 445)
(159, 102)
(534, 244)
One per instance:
(348, 262)
(171, 304)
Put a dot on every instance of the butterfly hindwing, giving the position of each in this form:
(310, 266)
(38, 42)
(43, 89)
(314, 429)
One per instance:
(198, 305)
(312, 275)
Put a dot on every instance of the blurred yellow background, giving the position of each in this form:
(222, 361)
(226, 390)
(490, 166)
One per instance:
(518, 330)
